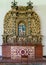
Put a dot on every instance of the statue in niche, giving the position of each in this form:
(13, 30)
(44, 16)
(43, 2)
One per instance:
(21, 29)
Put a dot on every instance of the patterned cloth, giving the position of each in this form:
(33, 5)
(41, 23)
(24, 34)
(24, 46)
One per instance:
(18, 51)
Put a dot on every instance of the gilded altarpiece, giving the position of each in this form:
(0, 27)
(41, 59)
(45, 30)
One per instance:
(27, 17)
(22, 32)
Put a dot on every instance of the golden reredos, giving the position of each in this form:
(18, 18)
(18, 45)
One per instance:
(21, 22)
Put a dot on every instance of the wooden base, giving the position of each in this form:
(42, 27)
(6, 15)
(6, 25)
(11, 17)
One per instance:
(35, 52)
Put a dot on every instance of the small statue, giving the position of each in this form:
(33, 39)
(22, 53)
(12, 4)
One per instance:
(30, 4)
(14, 3)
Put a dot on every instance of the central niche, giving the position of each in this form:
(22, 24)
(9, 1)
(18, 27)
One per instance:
(21, 29)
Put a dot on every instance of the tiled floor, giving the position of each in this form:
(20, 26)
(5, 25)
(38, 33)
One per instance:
(32, 62)
(23, 64)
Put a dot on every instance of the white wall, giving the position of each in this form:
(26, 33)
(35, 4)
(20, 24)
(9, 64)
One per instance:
(39, 7)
